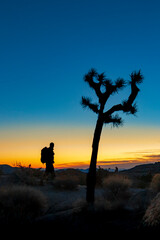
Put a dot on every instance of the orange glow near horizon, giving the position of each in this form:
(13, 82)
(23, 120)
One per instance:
(124, 146)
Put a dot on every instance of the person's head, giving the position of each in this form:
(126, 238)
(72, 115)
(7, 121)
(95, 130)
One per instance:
(51, 145)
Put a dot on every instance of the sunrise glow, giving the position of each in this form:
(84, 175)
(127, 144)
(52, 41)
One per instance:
(123, 147)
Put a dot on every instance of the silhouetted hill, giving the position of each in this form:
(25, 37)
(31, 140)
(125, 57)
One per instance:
(143, 169)
(6, 169)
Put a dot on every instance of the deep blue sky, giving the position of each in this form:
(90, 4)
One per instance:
(46, 47)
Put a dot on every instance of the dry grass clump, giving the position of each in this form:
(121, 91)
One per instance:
(152, 214)
(69, 179)
(155, 183)
(28, 176)
(73, 173)
(65, 182)
(116, 189)
(21, 204)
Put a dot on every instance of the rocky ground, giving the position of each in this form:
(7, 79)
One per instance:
(68, 213)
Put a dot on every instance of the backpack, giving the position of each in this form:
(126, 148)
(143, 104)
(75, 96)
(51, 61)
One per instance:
(44, 154)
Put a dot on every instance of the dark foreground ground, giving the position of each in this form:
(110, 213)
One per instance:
(122, 223)
(110, 222)
(65, 216)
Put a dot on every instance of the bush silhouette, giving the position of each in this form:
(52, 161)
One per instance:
(152, 214)
(116, 189)
(65, 182)
(155, 183)
(19, 204)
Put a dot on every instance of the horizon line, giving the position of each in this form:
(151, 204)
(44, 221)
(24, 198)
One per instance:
(111, 165)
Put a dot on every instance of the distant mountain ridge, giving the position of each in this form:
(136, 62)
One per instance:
(143, 169)
(7, 169)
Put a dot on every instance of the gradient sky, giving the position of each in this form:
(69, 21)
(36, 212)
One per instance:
(46, 47)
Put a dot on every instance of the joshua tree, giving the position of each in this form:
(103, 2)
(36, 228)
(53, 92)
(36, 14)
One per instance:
(104, 88)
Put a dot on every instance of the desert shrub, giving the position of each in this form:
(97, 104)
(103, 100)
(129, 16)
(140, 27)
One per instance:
(21, 204)
(28, 176)
(143, 181)
(100, 175)
(65, 182)
(116, 189)
(76, 174)
(155, 183)
(152, 214)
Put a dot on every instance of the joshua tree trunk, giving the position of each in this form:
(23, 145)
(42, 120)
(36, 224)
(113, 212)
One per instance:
(91, 176)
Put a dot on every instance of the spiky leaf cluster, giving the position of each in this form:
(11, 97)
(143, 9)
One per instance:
(104, 88)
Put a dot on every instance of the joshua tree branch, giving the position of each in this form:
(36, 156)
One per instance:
(127, 106)
(115, 108)
(86, 102)
(89, 77)
(115, 120)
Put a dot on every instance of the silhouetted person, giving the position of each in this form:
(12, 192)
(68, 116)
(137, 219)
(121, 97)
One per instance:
(47, 156)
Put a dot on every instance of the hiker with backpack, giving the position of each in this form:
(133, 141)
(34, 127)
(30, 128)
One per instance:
(47, 156)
